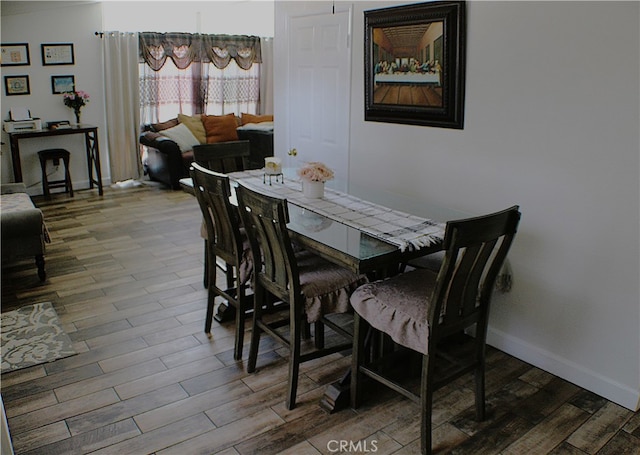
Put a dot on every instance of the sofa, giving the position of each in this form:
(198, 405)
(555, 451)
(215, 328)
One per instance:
(167, 148)
(24, 232)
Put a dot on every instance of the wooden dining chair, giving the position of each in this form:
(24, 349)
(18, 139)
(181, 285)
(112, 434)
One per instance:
(430, 313)
(309, 287)
(227, 241)
(223, 157)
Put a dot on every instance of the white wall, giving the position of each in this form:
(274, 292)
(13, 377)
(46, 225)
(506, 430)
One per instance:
(64, 24)
(552, 120)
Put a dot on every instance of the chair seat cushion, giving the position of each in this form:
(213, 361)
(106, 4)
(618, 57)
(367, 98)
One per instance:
(398, 306)
(326, 286)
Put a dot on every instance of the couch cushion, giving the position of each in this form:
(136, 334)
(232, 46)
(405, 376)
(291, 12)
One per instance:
(250, 118)
(220, 128)
(182, 136)
(194, 123)
(164, 125)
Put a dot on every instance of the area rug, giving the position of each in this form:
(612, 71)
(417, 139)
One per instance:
(32, 335)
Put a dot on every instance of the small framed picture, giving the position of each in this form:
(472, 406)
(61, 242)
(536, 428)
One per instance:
(14, 54)
(57, 54)
(62, 84)
(16, 85)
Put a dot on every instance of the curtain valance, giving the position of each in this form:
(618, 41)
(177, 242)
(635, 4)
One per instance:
(185, 48)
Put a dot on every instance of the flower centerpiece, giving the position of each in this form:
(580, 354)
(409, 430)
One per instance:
(314, 174)
(75, 100)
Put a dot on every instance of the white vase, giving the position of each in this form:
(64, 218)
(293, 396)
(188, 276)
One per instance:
(313, 190)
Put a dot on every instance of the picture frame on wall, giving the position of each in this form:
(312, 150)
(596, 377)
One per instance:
(16, 85)
(415, 61)
(57, 54)
(14, 54)
(62, 84)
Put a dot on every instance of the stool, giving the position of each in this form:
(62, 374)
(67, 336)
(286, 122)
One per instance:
(55, 155)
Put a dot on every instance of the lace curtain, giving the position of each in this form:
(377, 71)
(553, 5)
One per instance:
(195, 74)
(185, 48)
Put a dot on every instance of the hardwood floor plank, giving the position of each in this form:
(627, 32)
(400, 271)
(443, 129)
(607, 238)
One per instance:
(225, 437)
(124, 409)
(29, 440)
(125, 275)
(62, 411)
(600, 428)
(550, 432)
(215, 399)
(91, 440)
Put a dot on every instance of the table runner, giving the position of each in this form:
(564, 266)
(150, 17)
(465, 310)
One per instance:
(408, 232)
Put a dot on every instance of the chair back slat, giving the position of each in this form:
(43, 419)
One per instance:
(475, 250)
(221, 218)
(223, 157)
(265, 219)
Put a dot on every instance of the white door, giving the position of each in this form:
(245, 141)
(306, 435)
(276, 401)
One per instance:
(319, 91)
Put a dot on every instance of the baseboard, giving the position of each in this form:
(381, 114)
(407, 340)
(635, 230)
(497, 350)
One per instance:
(570, 371)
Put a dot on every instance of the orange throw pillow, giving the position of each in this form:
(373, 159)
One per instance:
(250, 118)
(220, 128)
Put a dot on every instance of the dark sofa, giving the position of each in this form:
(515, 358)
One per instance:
(166, 163)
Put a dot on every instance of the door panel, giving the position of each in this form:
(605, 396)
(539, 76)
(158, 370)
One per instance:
(319, 75)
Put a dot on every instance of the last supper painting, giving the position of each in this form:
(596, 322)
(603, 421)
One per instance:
(415, 64)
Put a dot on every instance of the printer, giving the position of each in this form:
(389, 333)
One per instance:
(20, 120)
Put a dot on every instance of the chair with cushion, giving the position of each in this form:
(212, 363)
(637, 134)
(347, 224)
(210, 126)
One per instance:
(309, 287)
(227, 241)
(431, 313)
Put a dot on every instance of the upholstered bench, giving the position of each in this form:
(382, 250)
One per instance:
(22, 226)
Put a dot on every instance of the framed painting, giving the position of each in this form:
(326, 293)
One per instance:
(16, 85)
(14, 54)
(414, 62)
(62, 84)
(57, 54)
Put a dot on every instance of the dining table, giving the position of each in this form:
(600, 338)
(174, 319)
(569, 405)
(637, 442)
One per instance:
(361, 235)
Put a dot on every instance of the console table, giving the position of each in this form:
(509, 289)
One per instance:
(91, 144)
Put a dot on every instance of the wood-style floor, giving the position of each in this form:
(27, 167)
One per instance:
(125, 276)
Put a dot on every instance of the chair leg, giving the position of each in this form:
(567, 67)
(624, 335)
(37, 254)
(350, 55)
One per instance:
(357, 359)
(45, 180)
(211, 297)
(426, 404)
(480, 398)
(318, 334)
(67, 177)
(295, 335)
(258, 300)
(240, 316)
(205, 277)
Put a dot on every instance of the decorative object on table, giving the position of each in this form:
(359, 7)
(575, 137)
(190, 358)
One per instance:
(272, 168)
(16, 85)
(14, 54)
(62, 84)
(434, 77)
(75, 100)
(314, 175)
(57, 54)
(32, 335)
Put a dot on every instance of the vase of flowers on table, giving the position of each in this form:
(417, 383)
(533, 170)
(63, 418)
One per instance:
(313, 175)
(75, 100)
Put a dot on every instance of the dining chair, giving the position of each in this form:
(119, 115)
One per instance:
(431, 313)
(225, 240)
(223, 157)
(309, 287)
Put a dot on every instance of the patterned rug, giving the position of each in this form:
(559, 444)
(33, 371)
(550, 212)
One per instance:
(32, 335)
